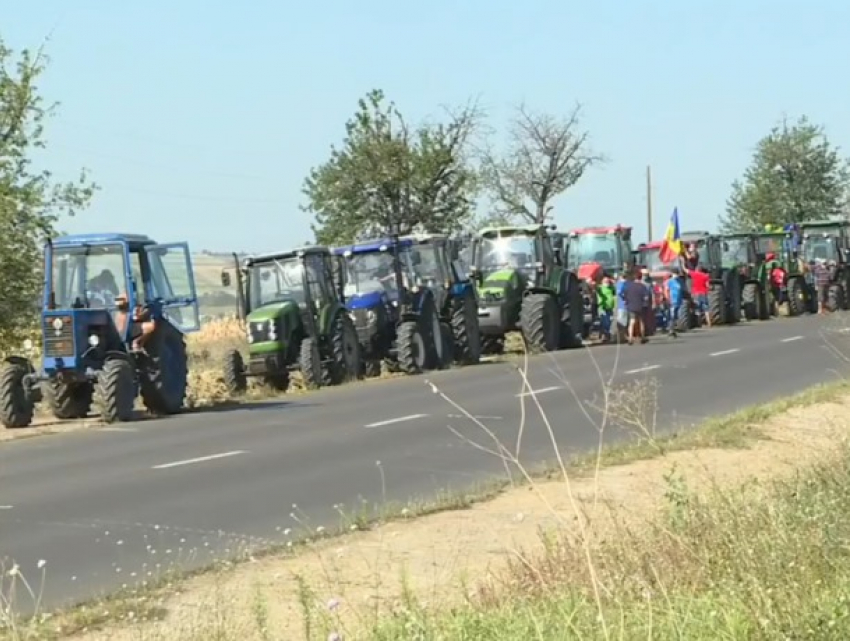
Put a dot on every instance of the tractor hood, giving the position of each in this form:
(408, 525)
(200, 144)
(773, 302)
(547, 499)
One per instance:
(366, 300)
(271, 311)
(590, 271)
(498, 281)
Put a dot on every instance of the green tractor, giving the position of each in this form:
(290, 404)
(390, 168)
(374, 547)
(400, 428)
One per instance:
(828, 241)
(295, 318)
(523, 285)
(724, 294)
(794, 290)
(740, 256)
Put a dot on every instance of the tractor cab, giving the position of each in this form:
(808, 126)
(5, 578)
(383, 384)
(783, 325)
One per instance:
(648, 256)
(592, 252)
(741, 252)
(525, 251)
(710, 250)
(822, 248)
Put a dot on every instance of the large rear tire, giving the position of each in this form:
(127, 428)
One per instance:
(717, 303)
(572, 329)
(115, 391)
(541, 326)
(68, 401)
(234, 373)
(164, 373)
(835, 298)
(16, 410)
(751, 300)
(310, 362)
(346, 351)
(796, 297)
(448, 345)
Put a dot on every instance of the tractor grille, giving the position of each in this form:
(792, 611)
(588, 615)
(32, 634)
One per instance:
(259, 331)
(366, 323)
(58, 343)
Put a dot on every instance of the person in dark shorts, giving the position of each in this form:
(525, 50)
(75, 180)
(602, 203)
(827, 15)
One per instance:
(636, 298)
(823, 278)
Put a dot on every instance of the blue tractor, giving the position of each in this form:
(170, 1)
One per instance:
(402, 295)
(115, 312)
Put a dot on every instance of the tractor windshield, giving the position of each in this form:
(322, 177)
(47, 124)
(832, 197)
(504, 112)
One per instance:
(506, 252)
(736, 251)
(276, 281)
(771, 244)
(90, 276)
(650, 257)
(603, 249)
(820, 249)
(371, 272)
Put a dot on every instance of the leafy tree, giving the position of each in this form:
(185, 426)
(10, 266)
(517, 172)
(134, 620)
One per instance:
(390, 177)
(795, 175)
(31, 202)
(546, 155)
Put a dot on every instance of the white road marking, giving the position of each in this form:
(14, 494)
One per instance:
(539, 391)
(6, 507)
(793, 338)
(724, 352)
(479, 418)
(200, 459)
(400, 419)
(648, 368)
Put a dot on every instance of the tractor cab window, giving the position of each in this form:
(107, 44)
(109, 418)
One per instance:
(651, 259)
(604, 249)
(318, 272)
(506, 252)
(820, 249)
(426, 264)
(91, 276)
(371, 272)
(276, 281)
(736, 251)
(546, 251)
(770, 245)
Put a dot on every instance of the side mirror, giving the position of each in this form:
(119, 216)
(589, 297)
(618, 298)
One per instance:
(225, 278)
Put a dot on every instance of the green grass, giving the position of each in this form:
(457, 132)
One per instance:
(507, 616)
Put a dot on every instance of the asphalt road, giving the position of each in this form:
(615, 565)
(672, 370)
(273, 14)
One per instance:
(110, 507)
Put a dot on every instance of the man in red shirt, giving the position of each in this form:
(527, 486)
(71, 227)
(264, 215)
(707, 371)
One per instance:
(699, 290)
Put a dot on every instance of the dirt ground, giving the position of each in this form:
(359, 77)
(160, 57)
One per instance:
(440, 556)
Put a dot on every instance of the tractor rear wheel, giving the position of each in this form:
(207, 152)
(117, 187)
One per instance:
(572, 329)
(16, 410)
(412, 352)
(796, 297)
(466, 333)
(68, 401)
(541, 327)
(115, 391)
(448, 345)
(164, 372)
(430, 327)
(234, 373)
(345, 346)
(310, 362)
(717, 303)
(835, 298)
(752, 301)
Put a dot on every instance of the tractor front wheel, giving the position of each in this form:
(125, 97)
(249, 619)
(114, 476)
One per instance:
(115, 391)
(234, 373)
(752, 301)
(466, 333)
(412, 352)
(448, 346)
(796, 297)
(541, 327)
(68, 401)
(164, 372)
(310, 362)
(16, 409)
(346, 351)
(835, 298)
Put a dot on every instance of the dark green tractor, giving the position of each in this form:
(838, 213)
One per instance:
(523, 286)
(295, 318)
(828, 241)
(794, 292)
(724, 294)
(740, 256)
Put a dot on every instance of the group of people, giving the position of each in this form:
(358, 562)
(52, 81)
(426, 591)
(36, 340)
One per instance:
(626, 307)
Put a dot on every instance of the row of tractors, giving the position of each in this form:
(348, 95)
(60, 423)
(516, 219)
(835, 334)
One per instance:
(741, 267)
(116, 310)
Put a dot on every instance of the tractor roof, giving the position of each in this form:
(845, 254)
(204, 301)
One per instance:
(655, 244)
(73, 240)
(825, 223)
(694, 235)
(614, 229)
(743, 234)
(370, 246)
(510, 230)
(418, 239)
(290, 253)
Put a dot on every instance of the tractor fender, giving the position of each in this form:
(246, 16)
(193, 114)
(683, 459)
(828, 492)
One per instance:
(114, 355)
(537, 290)
(23, 362)
(326, 317)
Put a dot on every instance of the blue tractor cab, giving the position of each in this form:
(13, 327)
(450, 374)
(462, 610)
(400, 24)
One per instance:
(394, 315)
(115, 312)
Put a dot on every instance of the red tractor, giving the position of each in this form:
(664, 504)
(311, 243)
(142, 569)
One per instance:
(595, 252)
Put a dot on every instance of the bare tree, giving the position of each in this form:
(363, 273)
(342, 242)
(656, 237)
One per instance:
(546, 156)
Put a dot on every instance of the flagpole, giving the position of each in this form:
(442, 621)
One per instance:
(648, 204)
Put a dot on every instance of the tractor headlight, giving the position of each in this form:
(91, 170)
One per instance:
(28, 345)
(272, 331)
(250, 335)
(58, 324)
(371, 316)
(94, 340)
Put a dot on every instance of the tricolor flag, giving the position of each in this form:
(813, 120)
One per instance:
(671, 246)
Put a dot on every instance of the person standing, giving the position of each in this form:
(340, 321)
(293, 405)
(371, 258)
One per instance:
(675, 298)
(823, 279)
(649, 311)
(635, 297)
(700, 282)
(606, 299)
(622, 315)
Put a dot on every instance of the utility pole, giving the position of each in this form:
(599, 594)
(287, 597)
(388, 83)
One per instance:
(649, 204)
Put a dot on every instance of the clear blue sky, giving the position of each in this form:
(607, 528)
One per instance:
(201, 119)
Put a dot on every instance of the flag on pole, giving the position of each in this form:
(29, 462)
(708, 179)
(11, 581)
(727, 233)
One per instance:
(671, 246)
